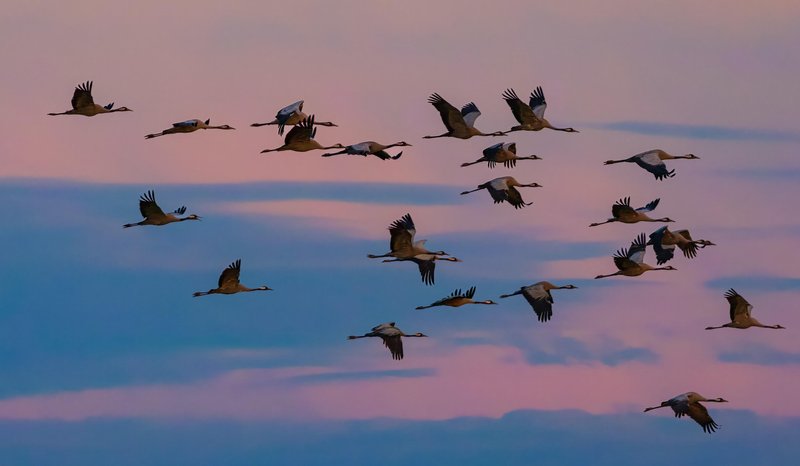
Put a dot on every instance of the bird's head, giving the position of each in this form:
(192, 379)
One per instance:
(226, 127)
(690, 156)
(193, 217)
(780, 326)
(666, 220)
(720, 400)
(569, 287)
(498, 133)
(704, 242)
(488, 301)
(420, 334)
(451, 259)
(403, 143)
(533, 185)
(571, 130)
(123, 109)
(264, 288)
(337, 146)
(669, 267)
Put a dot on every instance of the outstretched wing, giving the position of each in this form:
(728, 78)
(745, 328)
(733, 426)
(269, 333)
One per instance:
(514, 198)
(402, 233)
(303, 131)
(649, 207)
(451, 117)
(540, 300)
(739, 307)
(185, 124)
(537, 102)
(426, 269)
(700, 415)
(82, 97)
(148, 206)
(395, 345)
(230, 276)
(522, 111)
(470, 113)
(664, 252)
(651, 162)
(286, 112)
(622, 208)
(688, 246)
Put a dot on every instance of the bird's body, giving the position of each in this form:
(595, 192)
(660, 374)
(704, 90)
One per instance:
(530, 116)
(688, 404)
(504, 152)
(391, 337)
(83, 103)
(229, 282)
(504, 189)
(653, 161)
(630, 262)
(188, 126)
(301, 138)
(403, 248)
(539, 297)
(291, 115)
(153, 215)
(664, 241)
(461, 124)
(457, 299)
(740, 316)
(622, 211)
(371, 148)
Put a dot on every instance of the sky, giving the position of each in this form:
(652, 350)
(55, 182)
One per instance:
(103, 347)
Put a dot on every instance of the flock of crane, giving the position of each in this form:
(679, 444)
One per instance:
(403, 246)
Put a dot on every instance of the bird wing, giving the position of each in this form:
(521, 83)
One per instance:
(303, 131)
(490, 153)
(541, 300)
(622, 207)
(395, 345)
(470, 293)
(685, 242)
(382, 326)
(514, 198)
(637, 249)
(402, 233)
(470, 113)
(740, 308)
(184, 124)
(82, 97)
(651, 162)
(537, 102)
(289, 110)
(362, 148)
(664, 252)
(451, 117)
(700, 415)
(426, 269)
(522, 111)
(148, 206)
(649, 207)
(511, 147)
(230, 276)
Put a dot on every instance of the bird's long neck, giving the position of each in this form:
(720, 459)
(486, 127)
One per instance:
(529, 157)
(260, 288)
(467, 164)
(647, 267)
(609, 275)
(511, 294)
(273, 122)
(609, 162)
(472, 191)
(480, 302)
(331, 147)
(603, 223)
(434, 137)
(68, 112)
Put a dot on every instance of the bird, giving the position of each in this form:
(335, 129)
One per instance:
(503, 189)
(539, 297)
(630, 262)
(301, 138)
(664, 241)
(653, 161)
(689, 404)
(291, 115)
(740, 313)
(153, 215)
(459, 124)
(457, 299)
(371, 148)
(503, 152)
(391, 337)
(83, 103)
(531, 117)
(188, 126)
(622, 211)
(229, 282)
(401, 241)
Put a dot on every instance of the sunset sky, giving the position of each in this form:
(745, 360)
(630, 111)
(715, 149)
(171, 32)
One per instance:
(106, 358)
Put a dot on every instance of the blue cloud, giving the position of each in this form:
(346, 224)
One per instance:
(761, 355)
(565, 350)
(702, 131)
(362, 375)
(517, 438)
(751, 282)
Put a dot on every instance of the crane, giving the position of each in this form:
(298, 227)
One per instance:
(229, 282)
(391, 337)
(153, 215)
(539, 297)
(83, 103)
